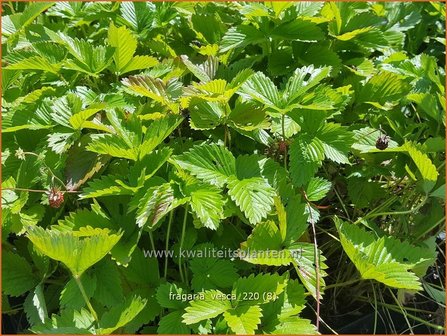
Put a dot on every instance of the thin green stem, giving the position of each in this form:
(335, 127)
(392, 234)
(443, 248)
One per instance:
(339, 198)
(375, 308)
(11, 6)
(87, 301)
(341, 284)
(327, 325)
(413, 317)
(46, 166)
(442, 220)
(227, 137)
(394, 213)
(151, 238)
(404, 313)
(373, 213)
(182, 238)
(168, 233)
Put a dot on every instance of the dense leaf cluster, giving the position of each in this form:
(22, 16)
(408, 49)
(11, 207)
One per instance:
(313, 133)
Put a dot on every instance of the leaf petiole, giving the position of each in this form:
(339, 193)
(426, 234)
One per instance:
(86, 299)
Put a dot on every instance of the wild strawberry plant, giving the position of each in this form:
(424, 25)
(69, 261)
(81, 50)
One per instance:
(308, 139)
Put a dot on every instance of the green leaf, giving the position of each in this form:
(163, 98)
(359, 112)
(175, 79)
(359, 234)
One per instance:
(254, 196)
(35, 306)
(155, 204)
(172, 324)
(209, 273)
(365, 140)
(317, 189)
(87, 58)
(296, 220)
(211, 305)
(166, 291)
(78, 250)
(109, 289)
(79, 120)
(295, 325)
(157, 132)
(208, 205)
(318, 54)
(107, 185)
(293, 300)
(247, 116)
(32, 11)
(155, 89)
(422, 161)
(241, 36)
(205, 114)
(385, 259)
(243, 320)
(140, 63)
(35, 63)
(264, 246)
(121, 315)
(306, 154)
(298, 29)
(125, 46)
(17, 275)
(260, 88)
(425, 166)
(211, 163)
(302, 80)
(81, 165)
(108, 144)
(261, 287)
(337, 141)
(142, 270)
(204, 72)
(382, 88)
(147, 167)
(68, 322)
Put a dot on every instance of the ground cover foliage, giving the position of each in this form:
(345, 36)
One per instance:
(314, 132)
